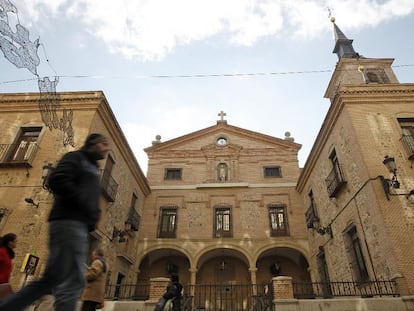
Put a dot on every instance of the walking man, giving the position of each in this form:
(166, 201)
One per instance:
(75, 212)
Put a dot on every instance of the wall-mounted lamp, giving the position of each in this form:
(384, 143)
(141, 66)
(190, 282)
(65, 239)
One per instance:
(31, 202)
(120, 234)
(46, 171)
(325, 230)
(315, 225)
(222, 265)
(392, 183)
(275, 268)
(171, 267)
(410, 194)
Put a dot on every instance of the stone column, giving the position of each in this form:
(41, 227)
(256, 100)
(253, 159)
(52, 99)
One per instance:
(193, 279)
(253, 279)
(282, 287)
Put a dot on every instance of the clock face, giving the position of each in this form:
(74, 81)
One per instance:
(222, 141)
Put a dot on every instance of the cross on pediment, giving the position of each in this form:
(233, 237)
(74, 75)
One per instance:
(221, 115)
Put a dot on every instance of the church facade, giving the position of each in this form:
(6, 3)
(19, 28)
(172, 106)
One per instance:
(223, 209)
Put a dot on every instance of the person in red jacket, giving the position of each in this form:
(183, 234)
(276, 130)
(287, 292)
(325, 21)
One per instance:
(7, 244)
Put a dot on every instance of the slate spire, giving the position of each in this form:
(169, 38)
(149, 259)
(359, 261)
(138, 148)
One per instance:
(343, 45)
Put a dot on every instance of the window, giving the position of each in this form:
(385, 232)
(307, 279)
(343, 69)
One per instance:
(168, 222)
(173, 173)
(376, 76)
(335, 180)
(356, 255)
(3, 215)
(272, 171)
(133, 217)
(407, 139)
(24, 149)
(222, 222)
(278, 222)
(324, 273)
(108, 184)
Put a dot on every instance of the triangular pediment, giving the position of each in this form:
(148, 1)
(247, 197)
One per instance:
(236, 139)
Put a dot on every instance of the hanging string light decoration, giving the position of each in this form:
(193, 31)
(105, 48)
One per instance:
(49, 102)
(16, 46)
(21, 52)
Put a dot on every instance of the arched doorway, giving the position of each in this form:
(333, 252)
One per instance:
(279, 261)
(162, 263)
(223, 281)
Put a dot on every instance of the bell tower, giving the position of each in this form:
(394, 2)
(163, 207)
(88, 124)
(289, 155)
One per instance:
(355, 69)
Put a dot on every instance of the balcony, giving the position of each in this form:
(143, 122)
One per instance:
(133, 219)
(335, 181)
(311, 217)
(281, 231)
(408, 144)
(22, 154)
(109, 186)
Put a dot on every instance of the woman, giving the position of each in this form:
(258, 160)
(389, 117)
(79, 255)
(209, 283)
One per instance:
(7, 244)
(93, 294)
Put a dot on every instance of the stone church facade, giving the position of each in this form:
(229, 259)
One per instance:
(223, 209)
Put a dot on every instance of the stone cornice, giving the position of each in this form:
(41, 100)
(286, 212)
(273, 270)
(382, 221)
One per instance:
(377, 89)
(30, 101)
(224, 185)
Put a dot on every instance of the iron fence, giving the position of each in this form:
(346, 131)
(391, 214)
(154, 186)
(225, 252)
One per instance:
(205, 297)
(257, 297)
(340, 289)
(127, 292)
(214, 297)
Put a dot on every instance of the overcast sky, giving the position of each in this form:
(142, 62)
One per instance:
(168, 67)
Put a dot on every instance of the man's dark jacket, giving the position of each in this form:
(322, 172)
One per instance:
(76, 187)
(174, 291)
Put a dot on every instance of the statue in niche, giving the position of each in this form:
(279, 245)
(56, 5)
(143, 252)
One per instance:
(222, 172)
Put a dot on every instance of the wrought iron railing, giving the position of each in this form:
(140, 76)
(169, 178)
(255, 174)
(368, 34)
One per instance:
(109, 186)
(341, 289)
(214, 297)
(335, 181)
(258, 297)
(127, 292)
(205, 297)
(408, 143)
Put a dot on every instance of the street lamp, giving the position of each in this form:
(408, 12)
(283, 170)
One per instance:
(392, 183)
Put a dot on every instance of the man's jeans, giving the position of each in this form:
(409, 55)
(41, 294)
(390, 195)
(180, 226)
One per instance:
(63, 276)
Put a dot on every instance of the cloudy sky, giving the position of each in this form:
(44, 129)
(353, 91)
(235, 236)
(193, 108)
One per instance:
(168, 67)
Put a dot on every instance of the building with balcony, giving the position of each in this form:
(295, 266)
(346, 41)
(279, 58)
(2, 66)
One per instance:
(32, 140)
(360, 215)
